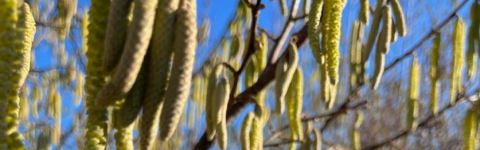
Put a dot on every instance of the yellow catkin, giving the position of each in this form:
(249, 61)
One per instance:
(66, 10)
(356, 133)
(331, 39)
(434, 73)
(256, 135)
(308, 140)
(57, 100)
(306, 7)
(364, 14)
(473, 36)
(318, 139)
(383, 43)
(283, 81)
(179, 85)
(123, 138)
(129, 110)
(250, 73)
(222, 93)
(96, 123)
(356, 53)
(457, 60)
(393, 33)
(245, 133)
(414, 91)
(470, 128)
(116, 33)
(161, 54)
(374, 29)
(138, 39)
(294, 104)
(324, 84)
(283, 7)
(314, 30)
(399, 17)
(84, 30)
(261, 57)
(212, 84)
(378, 70)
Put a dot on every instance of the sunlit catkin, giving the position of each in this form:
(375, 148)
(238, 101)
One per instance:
(374, 29)
(284, 75)
(66, 11)
(212, 85)
(378, 70)
(414, 91)
(434, 73)
(95, 79)
(130, 109)
(294, 102)
(356, 133)
(138, 39)
(457, 60)
(383, 43)
(221, 95)
(470, 128)
(473, 36)
(318, 139)
(314, 28)
(245, 133)
(179, 85)
(364, 15)
(157, 76)
(116, 33)
(332, 33)
(283, 7)
(256, 135)
(399, 18)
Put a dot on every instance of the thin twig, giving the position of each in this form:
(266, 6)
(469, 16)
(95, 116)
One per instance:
(269, 35)
(281, 143)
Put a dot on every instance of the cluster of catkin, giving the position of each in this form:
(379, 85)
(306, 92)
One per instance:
(132, 42)
(17, 29)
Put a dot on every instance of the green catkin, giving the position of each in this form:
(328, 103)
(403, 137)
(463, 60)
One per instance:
(123, 138)
(374, 29)
(306, 7)
(261, 57)
(57, 100)
(283, 7)
(314, 30)
(222, 93)
(117, 29)
(256, 135)
(434, 73)
(96, 123)
(383, 43)
(470, 128)
(129, 110)
(66, 10)
(356, 53)
(157, 75)
(331, 40)
(179, 85)
(356, 133)
(308, 140)
(457, 60)
(318, 139)
(393, 33)
(138, 39)
(84, 30)
(414, 91)
(212, 84)
(399, 17)
(473, 36)
(364, 15)
(283, 81)
(250, 72)
(378, 70)
(324, 84)
(245, 133)
(294, 102)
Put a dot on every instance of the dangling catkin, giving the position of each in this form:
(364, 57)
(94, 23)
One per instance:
(331, 41)
(283, 81)
(364, 15)
(138, 38)
(116, 33)
(318, 139)
(212, 85)
(179, 85)
(434, 73)
(314, 30)
(356, 133)
(222, 93)
(324, 84)
(473, 36)
(399, 17)
(378, 70)
(157, 76)
(393, 33)
(283, 7)
(457, 60)
(374, 29)
(414, 91)
(294, 104)
(245, 133)
(383, 43)
(95, 79)
(470, 128)
(256, 135)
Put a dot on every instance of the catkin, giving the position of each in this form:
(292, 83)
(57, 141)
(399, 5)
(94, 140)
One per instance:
(356, 133)
(245, 133)
(294, 104)
(393, 33)
(138, 38)
(157, 76)
(212, 85)
(314, 30)
(129, 110)
(374, 29)
(179, 85)
(399, 17)
(222, 135)
(283, 81)
(324, 84)
(66, 10)
(116, 33)
(434, 73)
(470, 128)
(318, 139)
(95, 79)
(256, 142)
(123, 138)
(457, 60)
(378, 70)
(250, 72)
(364, 15)
(331, 41)
(221, 95)
(283, 7)
(473, 36)
(356, 53)
(306, 7)
(383, 43)
(414, 91)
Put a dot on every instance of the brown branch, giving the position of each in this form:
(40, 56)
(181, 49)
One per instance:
(282, 143)
(422, 123)
(428, 36)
